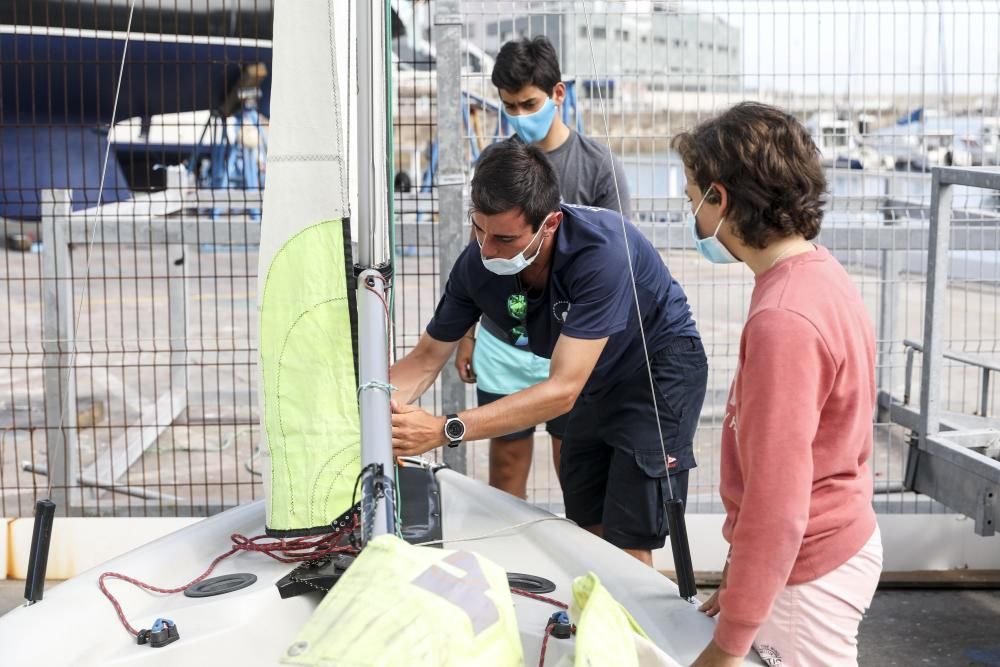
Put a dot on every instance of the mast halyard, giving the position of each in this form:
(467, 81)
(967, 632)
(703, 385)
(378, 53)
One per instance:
(378, 491)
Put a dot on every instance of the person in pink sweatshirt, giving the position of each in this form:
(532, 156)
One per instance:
(796, 481)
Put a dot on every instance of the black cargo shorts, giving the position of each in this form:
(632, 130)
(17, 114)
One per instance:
(612, 469)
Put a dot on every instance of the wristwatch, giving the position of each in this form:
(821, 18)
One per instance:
(454, 430)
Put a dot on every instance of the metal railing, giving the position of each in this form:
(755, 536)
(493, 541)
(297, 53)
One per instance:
(986, 367)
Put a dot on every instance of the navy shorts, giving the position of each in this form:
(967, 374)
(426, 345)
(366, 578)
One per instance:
(556, 427)
(612, 468)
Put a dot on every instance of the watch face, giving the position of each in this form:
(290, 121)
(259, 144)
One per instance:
(454, 429)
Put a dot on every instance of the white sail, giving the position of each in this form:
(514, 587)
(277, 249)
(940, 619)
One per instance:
(307, 372)
(306, 162)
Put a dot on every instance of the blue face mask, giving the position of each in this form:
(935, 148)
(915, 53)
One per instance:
(710, 248)
(533, 127)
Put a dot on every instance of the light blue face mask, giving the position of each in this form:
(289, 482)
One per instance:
(533, 127)
(710, 248)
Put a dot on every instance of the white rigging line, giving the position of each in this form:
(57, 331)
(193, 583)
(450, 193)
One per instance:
(496, 532)
(628, 252)
(93, 232)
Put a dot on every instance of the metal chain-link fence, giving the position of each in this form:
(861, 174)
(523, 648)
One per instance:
(130, 337)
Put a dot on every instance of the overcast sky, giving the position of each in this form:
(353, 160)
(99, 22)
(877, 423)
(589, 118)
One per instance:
(881, 46)
(813, 45)
(869, 46)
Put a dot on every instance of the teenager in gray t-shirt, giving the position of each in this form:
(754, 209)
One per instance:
(528, 79)
(585, 174)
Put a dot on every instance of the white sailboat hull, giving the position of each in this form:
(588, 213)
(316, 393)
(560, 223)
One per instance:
(76, 625)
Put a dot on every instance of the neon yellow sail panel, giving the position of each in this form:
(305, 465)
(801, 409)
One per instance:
(411, 606)
(606, 634)
(310, 400)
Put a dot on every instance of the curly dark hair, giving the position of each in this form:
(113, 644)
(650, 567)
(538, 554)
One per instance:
(770, 168)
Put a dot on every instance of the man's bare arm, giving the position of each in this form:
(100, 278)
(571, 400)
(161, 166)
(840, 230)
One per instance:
(573, 361)
(415, 372)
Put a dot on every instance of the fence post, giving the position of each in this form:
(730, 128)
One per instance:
(58, 346)
(177, 298)
(452, 237)
(934, 310)
(888, 307)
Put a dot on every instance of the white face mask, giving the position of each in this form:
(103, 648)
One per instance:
(509, 267)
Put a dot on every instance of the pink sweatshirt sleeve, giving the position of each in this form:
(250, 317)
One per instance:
(785, 376)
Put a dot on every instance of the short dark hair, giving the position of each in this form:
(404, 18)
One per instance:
(769, 165)
(511, 176)
(527, 62)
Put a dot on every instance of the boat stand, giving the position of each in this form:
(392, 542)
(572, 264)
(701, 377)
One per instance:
(954, 458)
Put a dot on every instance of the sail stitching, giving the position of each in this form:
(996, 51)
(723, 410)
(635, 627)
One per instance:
(342, 184)
(306, 157)
(277, 392)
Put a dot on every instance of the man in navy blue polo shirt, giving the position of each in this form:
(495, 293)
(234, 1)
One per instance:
(557, 278)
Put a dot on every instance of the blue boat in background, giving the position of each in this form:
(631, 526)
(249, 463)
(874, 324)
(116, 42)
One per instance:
(59, 67)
